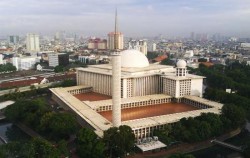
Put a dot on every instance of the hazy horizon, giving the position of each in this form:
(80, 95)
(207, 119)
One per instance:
(136, 17)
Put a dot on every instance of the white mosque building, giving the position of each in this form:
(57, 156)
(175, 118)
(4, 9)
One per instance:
(135, 93)
(139, 78)
(144, 86)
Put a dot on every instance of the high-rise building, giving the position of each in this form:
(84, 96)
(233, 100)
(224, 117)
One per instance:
(24, 63)
(32, 42)
(14, 39)
(192, 35)
(111, 40)
(115, 39)
(56, 59)
(97, 43)
(60, 36)
(140, 45)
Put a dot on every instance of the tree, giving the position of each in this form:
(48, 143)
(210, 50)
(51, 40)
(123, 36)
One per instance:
(167, 62)
(59, 68)
(88, 144)
(27, 111)
(62, 148)
(235, 114)
(164, 134)
(37, 147)
(119, 141)
(202, 60)
(44, 149)
(181, 156)
(58, 125)
(68, 83)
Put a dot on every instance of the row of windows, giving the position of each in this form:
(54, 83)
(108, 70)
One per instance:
(185, 87)
(135, 104)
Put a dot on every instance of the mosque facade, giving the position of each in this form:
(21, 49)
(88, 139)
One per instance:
(150, 87)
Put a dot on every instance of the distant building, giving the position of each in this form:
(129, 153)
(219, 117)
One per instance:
(1, 59)
(111, 40)
(152, 47)
(24, 63)
(92, 59)
(14, 39)
(56, 59)
(140, 45)
(60, 36)
(245, 46)
(32, 42)
(189, 54)
(97, 43)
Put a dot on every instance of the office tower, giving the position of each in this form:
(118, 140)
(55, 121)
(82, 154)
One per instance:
(115, 38)
(56, 59)
(97, 43)
(14, 39)
(140, 45)
(32, 42)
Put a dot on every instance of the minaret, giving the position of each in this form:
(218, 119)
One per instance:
(116, 80)
(181, 69)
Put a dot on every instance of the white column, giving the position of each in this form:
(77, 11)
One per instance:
(116, 89)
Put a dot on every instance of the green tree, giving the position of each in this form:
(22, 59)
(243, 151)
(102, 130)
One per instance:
(202, 60)
(235, 114)
(58, 125)
(44, 149)
(164, 134)
(88, 144)
(68, 83)
(27, 111)
(181, 156)
(63, 148)
(119, 141)
(59, 69)
(37, 147)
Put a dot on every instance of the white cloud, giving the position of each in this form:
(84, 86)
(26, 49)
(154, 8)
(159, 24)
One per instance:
(136, 17)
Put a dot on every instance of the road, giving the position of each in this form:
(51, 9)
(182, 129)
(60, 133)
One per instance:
(25, 77)
(22, 89)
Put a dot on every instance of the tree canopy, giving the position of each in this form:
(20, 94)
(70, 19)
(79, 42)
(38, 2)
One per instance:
(119, 141)
(7, 68)
(37, 147)
(88, 144)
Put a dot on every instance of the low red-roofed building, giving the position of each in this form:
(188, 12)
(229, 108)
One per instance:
(160, 58)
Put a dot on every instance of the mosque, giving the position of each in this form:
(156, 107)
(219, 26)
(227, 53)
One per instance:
(132, 92)
(149, 96)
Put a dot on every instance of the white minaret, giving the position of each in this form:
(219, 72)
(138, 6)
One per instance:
(116, 81)
(181, 69)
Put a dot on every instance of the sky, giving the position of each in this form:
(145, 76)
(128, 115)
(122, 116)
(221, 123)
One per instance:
(142, 18)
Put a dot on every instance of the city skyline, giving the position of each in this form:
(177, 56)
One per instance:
(136, 18)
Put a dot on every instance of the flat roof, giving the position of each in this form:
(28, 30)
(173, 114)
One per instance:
(92, 96)
(6, 103)
(83, 110)
(173, 76)
(204, 101)
(151, 145)
(101, 124)
(149, 111)
(165, 119)
(106, 69)
(97, 104)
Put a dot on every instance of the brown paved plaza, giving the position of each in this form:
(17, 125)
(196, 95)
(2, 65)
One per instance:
(92, 96)
(150, 111)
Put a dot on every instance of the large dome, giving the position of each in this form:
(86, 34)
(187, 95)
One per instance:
(181, 64)
(133, 58)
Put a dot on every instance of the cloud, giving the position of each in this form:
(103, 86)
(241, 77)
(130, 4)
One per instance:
(136, 17)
